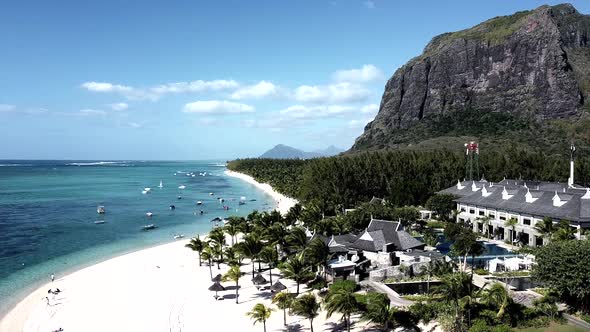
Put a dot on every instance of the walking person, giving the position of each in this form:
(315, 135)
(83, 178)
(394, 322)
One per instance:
(52, 277)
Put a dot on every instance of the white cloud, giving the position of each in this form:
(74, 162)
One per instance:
(259, 90)
(134, 125)
(367, 73)
(358, 123)
(369, 4)
(217, 107)
(156, 92)
(194, 86)
(119, 106)
(106, 87)
(91, 112)
(7, 108)
(303, 112)
(370, 109)
(333, 93)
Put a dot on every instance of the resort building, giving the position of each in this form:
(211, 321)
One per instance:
(487, 206)
(376, 246)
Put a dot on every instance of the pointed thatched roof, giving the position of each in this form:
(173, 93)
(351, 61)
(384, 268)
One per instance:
(216, 287)
(217, 278)
(277, 287)
(259, 280)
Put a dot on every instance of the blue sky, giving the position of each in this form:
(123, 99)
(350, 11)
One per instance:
(206, 80)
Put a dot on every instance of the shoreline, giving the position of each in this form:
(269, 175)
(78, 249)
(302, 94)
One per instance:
(283, 202)
(29, 313)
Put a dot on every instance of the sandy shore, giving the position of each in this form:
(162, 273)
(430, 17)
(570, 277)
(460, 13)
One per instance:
(156, 289)
(284, 203)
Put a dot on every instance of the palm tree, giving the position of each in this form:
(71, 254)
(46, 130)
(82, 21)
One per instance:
(497, 296)
(283, 300)
(486, 220)
(217, 240)
(269, 256)
(512, 222)
(296, 269)
(545, 227)
(196, 244)
(341, 298)
(260, 313)
(232, 228)
(307, 306)
(207, 254)
(564, 232)
(296, 239)
(319, 253)
(234, 274)
(429, 270)
(376, 310)
(251, 247)
(232, 256)
(275, 235)
(454, 287)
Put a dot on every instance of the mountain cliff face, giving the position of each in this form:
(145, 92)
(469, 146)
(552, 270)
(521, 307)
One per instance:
(491, 82)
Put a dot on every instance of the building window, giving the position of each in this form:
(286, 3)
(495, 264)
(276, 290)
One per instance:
(471, 211)
(462, 209)
(491, 215)
(461, 220)
(502, 218)
(482, 213)
(526, 221)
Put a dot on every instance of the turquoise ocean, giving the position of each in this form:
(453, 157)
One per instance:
(48, 211)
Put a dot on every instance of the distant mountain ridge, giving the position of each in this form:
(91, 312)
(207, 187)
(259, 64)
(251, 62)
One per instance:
(282, 151)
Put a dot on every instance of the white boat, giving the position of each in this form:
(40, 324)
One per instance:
(144, 192)
(149, 214)
(161, 184)
(178, 236)
(99, 222)
(147, 189)
(193, 175)
(182, 186)
(148, 227)
(100, 209)
(211, 194)
(199, 202)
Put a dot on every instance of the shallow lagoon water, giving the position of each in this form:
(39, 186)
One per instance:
(48, 210)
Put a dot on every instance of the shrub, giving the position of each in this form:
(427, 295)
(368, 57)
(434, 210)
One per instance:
(481, 272)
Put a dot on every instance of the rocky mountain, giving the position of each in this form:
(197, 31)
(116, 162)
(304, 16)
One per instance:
(282, 151)
(522, 79)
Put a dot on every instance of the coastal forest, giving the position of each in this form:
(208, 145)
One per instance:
(402, 177)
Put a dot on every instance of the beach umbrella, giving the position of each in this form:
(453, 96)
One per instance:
(216, 287)
(216, 219)
(259, 280)
(217, 278)
(277, 287)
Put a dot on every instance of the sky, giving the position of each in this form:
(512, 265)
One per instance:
(189, 80)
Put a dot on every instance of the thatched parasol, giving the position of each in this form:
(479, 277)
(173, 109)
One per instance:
(277, 287)
(259, 280)
(216, 219)
(216, 287)
(217, 278)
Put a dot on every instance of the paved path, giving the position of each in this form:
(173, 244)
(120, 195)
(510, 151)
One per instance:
(394, 297)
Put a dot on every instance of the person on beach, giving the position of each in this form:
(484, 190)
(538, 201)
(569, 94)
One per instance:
(47, 299)
(52, 277)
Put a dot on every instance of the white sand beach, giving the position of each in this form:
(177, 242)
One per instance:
(156, 289)
(284, 203)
